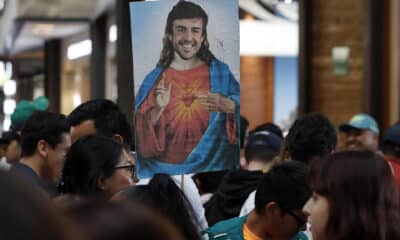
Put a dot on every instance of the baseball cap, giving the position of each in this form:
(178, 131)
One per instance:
(392, 135)
(264, 139)
(360, 121)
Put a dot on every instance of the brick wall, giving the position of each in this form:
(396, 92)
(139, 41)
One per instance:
(337, 23)
(256, 89)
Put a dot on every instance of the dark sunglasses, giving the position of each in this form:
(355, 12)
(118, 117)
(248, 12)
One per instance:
(131, 168)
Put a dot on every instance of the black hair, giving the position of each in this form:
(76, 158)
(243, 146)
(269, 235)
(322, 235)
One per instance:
(104, 220)
(311, 135)
(87, 160)
(389, 145)
(107, 117)
(270, 127)
(9, 136)
(390, 148)
(43, 125)
(286, 184)
(163, 194)
(185, 10)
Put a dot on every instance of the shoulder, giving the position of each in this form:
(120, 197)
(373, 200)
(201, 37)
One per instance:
(225, 228)
(20, 168)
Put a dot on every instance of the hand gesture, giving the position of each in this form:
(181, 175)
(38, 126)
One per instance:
(162, 94)
(215, 102)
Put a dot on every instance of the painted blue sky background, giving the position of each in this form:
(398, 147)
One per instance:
(148, 23)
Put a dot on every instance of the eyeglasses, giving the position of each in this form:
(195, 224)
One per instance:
(131, 168)
(301, 221)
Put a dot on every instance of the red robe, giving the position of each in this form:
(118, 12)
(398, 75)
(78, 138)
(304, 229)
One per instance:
(183, 121)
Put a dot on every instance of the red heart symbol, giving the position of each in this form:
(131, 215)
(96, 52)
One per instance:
(188, 99)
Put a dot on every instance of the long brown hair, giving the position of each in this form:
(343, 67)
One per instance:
(363, 197)
(185, 10)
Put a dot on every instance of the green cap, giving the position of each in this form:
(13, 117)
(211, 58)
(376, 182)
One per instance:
(360, 121)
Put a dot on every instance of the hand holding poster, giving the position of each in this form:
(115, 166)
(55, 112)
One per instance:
(187, 107)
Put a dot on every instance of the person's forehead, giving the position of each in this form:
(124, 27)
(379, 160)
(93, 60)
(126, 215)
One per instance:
(66, 139)
(195, 22)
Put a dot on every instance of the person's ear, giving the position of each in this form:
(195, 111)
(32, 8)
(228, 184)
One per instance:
(243, 162)
(42, 148)
(102, 182)
(272, 211)
(273, 208)
(118, 138)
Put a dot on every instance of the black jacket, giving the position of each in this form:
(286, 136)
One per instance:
(231, 194)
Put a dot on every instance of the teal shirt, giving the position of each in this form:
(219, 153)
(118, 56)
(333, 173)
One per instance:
(232, 229)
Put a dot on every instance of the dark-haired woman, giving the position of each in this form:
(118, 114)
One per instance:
(162, 195)
(97, 166)
(355, 197)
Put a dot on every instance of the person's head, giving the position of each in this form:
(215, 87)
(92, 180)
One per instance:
(311, 136)
(280, 196)
(45, 140)
(362, 133)
(186, 34)
(355, 197)
(163, 195)
(97, 165)
(26, 213)
(102, 117)
(262, 146)
(391, 141)
(270, 127)
(12, 147)
(103, 220)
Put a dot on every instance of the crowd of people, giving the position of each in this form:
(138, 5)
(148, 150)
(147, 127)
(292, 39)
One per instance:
(76, 175)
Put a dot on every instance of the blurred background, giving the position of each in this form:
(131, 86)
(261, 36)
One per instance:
(338, 57)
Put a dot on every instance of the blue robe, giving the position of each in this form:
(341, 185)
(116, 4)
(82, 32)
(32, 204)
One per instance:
(213, 152)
